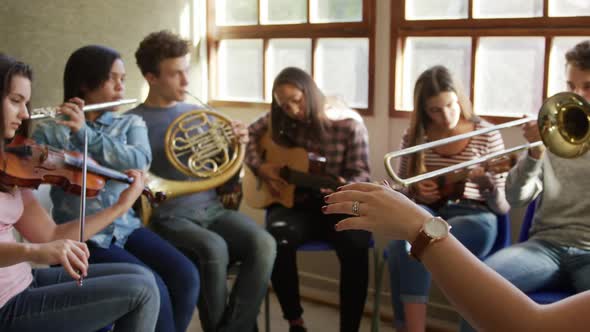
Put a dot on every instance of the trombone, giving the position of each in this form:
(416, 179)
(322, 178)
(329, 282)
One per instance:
(564, 125)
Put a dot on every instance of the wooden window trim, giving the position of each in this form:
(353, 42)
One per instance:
(475, 28)
(313, 31)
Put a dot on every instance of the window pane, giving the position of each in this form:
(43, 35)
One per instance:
(569, 8)
(507, 8)
(283, 11)
(325, 11)
(421, 53)
(560, 45)
(286, 53)
(342, 69)
(236, 12)
(436, 9)
(240, 69)
(509, 75)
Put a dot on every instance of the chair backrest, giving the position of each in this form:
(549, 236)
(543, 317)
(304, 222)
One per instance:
(504, 237)
(527, 221)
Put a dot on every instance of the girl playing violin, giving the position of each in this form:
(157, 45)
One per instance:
(48, 299)
(96, 74)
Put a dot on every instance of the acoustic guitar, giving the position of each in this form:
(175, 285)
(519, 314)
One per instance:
(452, 185)
(299, 169)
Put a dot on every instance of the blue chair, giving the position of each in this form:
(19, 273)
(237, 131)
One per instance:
(544, 296)
(503, 239)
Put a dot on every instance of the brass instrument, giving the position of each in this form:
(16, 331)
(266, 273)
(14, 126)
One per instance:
(564, 125)
(200, 144)
(51, 112)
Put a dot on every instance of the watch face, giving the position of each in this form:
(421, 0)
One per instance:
(436, 227)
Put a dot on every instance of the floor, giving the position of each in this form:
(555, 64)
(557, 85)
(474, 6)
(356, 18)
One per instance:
(318, 318)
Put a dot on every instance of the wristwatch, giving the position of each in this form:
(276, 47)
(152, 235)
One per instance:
(434, 229)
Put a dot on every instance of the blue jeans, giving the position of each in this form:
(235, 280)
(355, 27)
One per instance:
(122, 293)
(537, 264)
(176, 277)
(224, 237)
(472, 224)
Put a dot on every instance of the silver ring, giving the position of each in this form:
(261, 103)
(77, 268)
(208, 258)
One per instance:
(355, 208)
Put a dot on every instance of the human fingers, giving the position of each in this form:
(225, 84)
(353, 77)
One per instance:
(78, 260)
(347, 195)
(78, 102)
(67, 266)
(354, 208)
(354, 223)
(84, 248)
(361, 186)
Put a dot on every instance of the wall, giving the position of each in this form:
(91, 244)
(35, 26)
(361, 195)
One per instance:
(44, 33)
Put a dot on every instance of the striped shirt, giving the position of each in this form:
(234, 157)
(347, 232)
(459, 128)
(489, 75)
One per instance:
(346, 148)
(479, 146)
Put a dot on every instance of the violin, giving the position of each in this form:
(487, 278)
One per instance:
(27, 164)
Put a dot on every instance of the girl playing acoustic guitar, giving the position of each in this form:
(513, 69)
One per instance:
(301, 117)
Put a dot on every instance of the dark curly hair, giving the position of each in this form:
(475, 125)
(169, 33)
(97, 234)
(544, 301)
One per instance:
(158, 46)
(579, 55)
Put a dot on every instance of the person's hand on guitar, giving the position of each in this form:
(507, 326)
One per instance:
(426, 192)
(269, 172)
(241, 131)
(483, 179)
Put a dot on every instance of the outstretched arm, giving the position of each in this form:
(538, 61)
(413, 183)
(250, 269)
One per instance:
(483, 297)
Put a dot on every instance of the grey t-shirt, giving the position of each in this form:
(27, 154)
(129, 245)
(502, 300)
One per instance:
(563, 211)
(190, 206)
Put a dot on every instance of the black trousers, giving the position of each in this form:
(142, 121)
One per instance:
(296, 226)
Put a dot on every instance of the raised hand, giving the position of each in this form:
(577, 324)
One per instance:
(380, 209)
(130, 195)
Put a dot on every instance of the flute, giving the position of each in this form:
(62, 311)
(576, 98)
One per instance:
(51, 112)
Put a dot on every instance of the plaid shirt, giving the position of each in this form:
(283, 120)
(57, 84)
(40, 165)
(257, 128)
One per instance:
(117, 141)
(345, 146)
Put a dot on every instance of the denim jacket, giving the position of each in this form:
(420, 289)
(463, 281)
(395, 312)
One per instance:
(117, 141)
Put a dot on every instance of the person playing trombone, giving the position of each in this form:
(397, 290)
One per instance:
(557, 253)
(470, 207)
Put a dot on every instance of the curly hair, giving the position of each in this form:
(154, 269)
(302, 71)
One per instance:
(158, 46)
(579, 55)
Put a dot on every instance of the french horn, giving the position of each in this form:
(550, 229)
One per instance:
(200, 144)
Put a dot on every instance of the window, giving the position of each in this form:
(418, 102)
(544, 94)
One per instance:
(508, 55)
(251, 41)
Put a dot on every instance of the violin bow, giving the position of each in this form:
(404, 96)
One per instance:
(83, 195)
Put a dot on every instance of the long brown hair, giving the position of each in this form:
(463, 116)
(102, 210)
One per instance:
(9, 68)
(314, 104)
(431, 83)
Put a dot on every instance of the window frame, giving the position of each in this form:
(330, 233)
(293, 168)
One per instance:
(313, 31)
(475, 28)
